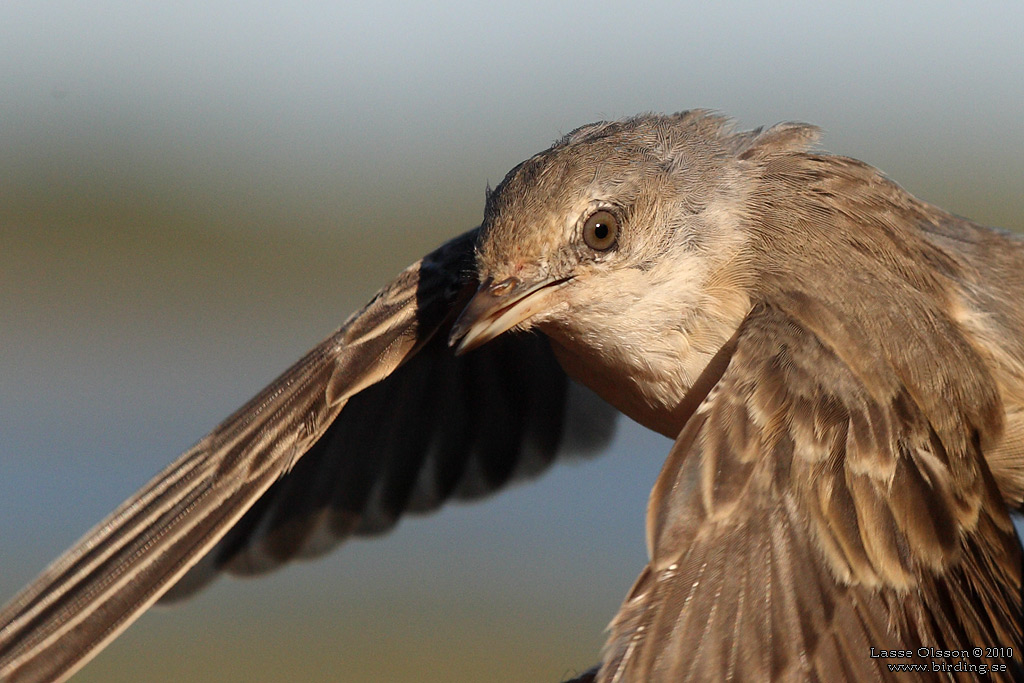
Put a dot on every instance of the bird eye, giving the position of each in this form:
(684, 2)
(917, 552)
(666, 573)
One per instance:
(601, 230)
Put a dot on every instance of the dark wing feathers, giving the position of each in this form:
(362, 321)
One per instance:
(285, 476)
(803, 518)
(440, 427)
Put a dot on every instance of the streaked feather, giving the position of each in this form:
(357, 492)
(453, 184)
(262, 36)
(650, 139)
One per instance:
(822, 561)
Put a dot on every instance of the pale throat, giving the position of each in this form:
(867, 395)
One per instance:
(642, 350)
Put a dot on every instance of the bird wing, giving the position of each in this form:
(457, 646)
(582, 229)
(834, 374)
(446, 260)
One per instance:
(807, 515)
(377, 420)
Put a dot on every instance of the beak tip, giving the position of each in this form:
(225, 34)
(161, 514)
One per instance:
(462, 340)
(457, 338)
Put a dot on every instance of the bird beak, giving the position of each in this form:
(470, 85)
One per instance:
(499, 306)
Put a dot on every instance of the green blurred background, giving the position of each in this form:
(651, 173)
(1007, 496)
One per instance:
(192, 195)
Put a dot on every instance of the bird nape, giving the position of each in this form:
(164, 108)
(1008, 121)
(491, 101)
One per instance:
(841, 367)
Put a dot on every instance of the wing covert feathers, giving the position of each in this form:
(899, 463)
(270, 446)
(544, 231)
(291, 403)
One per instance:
(805, 517)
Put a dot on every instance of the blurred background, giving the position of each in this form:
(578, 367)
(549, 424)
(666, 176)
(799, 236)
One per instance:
(193, 194)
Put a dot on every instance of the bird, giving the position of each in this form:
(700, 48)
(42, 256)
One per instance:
(840, 367)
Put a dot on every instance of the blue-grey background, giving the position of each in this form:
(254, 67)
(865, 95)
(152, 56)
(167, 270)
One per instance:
(192, 194)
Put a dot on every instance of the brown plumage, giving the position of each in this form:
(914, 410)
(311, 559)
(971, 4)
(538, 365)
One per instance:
(840, 364)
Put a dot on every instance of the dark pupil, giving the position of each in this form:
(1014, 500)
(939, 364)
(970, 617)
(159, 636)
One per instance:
(600, 231)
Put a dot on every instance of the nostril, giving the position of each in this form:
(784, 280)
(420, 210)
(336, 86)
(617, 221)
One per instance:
(504, 287)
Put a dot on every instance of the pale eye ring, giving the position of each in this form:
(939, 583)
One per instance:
(601, 230)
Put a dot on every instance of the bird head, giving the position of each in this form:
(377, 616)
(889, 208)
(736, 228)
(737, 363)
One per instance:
(616, 224)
